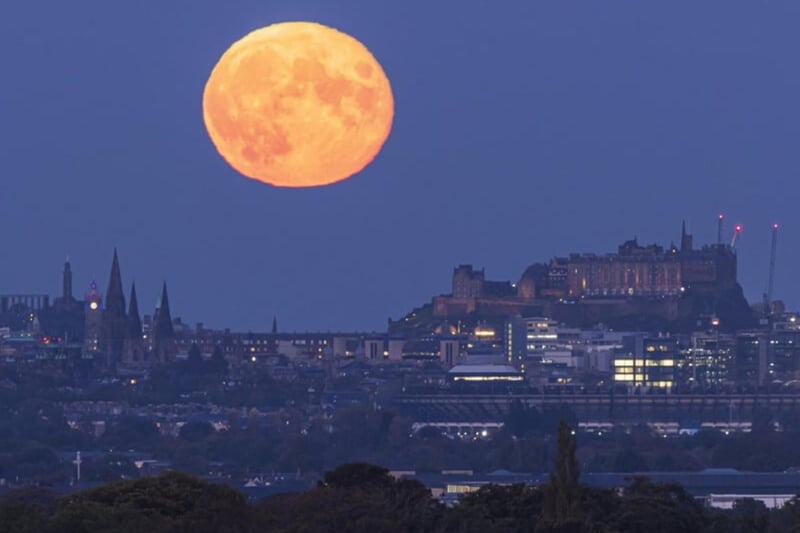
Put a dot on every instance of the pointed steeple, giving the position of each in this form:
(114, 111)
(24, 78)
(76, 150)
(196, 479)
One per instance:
(115, 321)
(115, 297)
(274, 325)
(134, 321)
(163, 325)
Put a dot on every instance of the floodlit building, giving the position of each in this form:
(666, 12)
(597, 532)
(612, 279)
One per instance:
(647, 361)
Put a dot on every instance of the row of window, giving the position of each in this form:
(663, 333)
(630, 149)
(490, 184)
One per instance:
(640, 363)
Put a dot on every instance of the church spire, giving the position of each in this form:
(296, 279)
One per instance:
(163, 326)
(134, 321)
(114, 321)
(115, 297)
(274, 325)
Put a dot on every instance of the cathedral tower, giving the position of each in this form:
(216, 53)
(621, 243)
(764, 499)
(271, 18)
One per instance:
(93, 319)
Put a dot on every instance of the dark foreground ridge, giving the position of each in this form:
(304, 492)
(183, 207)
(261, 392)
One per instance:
(360, 497)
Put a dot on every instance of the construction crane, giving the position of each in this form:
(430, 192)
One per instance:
(737, 229)
(771, 279)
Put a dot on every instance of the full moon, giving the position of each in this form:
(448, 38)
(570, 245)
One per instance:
(298, 104)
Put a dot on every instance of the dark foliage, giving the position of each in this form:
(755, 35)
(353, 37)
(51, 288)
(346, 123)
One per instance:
(355, 498)
(364, 498)
(170, 502)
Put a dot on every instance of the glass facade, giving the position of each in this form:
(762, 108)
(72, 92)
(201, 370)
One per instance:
(647, 362)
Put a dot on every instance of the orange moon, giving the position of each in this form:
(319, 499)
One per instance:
(298, 104)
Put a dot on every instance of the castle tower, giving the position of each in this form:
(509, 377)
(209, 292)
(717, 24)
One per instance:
(468, 282)
(164, 347)
(115, 321)
(134, 342)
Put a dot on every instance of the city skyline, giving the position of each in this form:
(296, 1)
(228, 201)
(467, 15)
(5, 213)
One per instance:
(116, 277)
(522, 132)
(402, 266)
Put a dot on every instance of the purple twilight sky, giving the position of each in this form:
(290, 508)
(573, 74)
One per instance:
(523, 130)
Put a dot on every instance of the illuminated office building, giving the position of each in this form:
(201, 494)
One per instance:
(647, 361)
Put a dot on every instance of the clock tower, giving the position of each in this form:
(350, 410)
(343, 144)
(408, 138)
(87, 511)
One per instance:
(93, 319)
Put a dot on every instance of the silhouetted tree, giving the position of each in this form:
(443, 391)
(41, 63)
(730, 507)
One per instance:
(658, 508)
(357, 475)
(787, 518)
(495, 508)
(561, 494)
(356, 497)
(749, 515)
(169, 502)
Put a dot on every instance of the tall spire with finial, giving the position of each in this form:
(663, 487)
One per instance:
(164, 347)
(274, 324)
(115, 320)
(134, 321)
(115, 297)
(163, 325)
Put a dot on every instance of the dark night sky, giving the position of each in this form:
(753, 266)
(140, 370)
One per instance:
(522, 130)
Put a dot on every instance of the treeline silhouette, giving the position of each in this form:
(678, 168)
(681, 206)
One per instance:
(359, 497)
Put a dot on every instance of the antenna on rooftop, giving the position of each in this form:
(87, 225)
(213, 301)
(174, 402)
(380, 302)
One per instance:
(771, 278)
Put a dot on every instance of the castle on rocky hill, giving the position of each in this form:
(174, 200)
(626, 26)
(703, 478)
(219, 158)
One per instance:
(649, 286)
